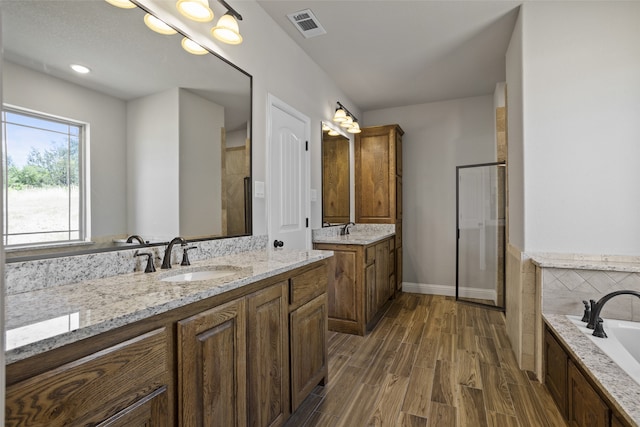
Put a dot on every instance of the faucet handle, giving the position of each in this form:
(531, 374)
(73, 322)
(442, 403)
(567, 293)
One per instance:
(185, 256)
(150, 268)
(586, 317)
(599, 329)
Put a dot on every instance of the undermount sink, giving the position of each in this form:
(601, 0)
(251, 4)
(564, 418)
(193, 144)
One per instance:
(194, 276)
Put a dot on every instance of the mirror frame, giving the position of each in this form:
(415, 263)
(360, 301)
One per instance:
(331, 125)
(64, 250)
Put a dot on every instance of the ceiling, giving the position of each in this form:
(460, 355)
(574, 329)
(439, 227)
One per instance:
(390, 53)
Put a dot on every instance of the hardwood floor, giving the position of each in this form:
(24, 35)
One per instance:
(429, 362)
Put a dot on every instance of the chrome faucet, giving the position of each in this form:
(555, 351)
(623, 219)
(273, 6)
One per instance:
(166, 261)
(345, 230)
(595, 322)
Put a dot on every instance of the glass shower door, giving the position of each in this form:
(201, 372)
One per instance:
(480, 258)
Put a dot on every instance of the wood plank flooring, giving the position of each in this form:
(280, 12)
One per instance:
(429, 362)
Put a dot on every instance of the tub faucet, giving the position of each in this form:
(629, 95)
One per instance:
(345, 229)
(595, 322)
(166, 261)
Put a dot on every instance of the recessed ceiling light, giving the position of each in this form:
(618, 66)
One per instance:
(81, 69)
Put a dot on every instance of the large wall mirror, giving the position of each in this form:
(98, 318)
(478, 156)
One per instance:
(336, 176)
(162, 138)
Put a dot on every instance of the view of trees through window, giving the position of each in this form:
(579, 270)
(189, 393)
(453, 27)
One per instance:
(42, 180)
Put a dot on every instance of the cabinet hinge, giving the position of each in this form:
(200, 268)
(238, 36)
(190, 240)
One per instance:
(307, 222)
(306, 146)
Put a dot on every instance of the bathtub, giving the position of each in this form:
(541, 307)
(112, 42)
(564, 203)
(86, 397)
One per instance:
(622, 344)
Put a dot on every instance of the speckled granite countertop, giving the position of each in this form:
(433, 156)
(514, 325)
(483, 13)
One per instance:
(91, 307)
(614, 263)
(621, 389)
(355, 238)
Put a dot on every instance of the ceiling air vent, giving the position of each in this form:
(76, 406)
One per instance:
(307, 23)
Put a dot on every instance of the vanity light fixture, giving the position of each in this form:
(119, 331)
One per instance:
(80, 69)
(193, 47)
(345, 119)
(158, 25)
(227, 30)
(196, 10)
(123, 4)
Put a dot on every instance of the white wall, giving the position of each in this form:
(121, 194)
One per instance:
(438, 137)
(280, 67)
(153, 166)
(515, 161)
(581, 105)
(107, 115)
(201, 124)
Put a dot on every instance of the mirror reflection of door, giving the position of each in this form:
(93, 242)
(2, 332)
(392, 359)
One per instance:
(481, 234)
(335, 178)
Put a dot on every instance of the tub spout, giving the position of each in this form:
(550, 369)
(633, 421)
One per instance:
(595, 322)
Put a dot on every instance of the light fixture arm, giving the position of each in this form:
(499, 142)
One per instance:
(231, 11)
(343, 107)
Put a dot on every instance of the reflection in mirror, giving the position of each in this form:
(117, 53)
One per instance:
(335, 176)
(161, 137)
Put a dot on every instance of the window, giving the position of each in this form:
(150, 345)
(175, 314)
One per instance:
(43, 179)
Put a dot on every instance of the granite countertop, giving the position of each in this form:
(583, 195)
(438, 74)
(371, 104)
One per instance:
(91, 307)
(613, 263)
(355, 238)
(621, 389)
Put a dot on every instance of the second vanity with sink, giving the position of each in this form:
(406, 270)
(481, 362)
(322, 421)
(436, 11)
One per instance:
(243, 335)
(364, 275)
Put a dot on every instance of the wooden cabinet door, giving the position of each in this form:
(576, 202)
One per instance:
(586, 408)
(94, 388)
(372, 176)
(382, 274)
(370, 290)
(151, 411)
(308, 337)
(268, 357)
(556, 365)
(344, 298)
(212, 367)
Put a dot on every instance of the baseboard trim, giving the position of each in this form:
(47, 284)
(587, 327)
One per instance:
(429, 289)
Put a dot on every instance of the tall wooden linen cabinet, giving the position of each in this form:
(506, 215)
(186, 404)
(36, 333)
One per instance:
(378, 181)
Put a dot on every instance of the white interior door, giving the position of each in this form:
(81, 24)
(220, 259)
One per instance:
(289, 180)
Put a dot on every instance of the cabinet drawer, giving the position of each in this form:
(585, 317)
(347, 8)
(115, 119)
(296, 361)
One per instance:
(307, 286)
(94, 388)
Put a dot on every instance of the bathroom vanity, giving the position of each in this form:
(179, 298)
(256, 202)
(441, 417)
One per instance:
(362, 277)
(244, 348)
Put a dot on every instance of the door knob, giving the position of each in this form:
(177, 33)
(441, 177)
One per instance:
(278, 244)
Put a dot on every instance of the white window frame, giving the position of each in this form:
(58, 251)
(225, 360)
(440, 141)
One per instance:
(84, 234)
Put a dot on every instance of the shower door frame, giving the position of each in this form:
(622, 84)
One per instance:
(504, 239)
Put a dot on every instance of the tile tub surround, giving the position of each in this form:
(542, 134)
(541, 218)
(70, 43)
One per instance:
(359, 234)
(104, 304)
(565, 283)
(623, 392)
(28, 276)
